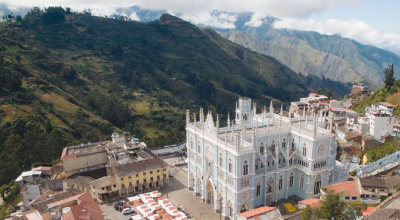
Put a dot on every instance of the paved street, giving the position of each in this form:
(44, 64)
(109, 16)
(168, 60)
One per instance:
(178, 194)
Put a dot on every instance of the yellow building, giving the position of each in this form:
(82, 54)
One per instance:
(137, 170)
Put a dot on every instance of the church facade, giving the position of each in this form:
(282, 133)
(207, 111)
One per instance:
(258, 159)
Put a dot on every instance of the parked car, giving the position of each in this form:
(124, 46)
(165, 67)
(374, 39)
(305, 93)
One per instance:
(118, 203)
(127, 211)
(120, 208)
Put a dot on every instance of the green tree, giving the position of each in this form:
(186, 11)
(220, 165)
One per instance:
(18, 18)
(389, 78)
(329, 93)
(332, 207)
(306, 214)
(319, 91)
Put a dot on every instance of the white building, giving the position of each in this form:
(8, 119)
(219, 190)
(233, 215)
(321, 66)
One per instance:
(381, 121)
(258, 159)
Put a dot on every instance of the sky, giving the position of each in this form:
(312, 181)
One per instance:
(371, 22)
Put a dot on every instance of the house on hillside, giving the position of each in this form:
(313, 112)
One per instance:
(350, 191)
(376, 188)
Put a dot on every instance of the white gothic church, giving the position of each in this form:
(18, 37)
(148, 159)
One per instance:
(258, 159)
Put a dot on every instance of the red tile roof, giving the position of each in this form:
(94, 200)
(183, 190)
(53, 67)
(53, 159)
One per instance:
(257, 211)
(348, 187)
(367, 211)
(41, 168)
(311, 202)
(87, 209)
(387, 104)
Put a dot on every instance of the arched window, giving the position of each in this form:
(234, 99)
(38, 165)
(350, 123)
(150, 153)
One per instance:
(273, 146)
(292, 144)
(284, 143)
(230, 166)
(245, 168)
(301, 181)
(304, 149)
(262, 149)
(258, 190)
(245, 208)
(198, 148)
(291, 180)
(317, 185)
(229, 208)
(270, 185)
(220, 159)
(280, 182)
(191, 143)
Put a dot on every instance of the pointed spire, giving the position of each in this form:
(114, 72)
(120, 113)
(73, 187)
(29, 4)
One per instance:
(229, 121)
(281, 110)
(217, 123)
(194, 117)
(187, 117)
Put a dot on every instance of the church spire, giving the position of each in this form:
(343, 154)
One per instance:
(229, 121)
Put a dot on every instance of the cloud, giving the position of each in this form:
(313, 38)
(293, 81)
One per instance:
(279, 8)
(134, 16)
(354, 29)
(221, 20)
(256, 20)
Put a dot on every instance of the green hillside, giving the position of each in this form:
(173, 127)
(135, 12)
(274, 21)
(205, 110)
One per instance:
(72, 78)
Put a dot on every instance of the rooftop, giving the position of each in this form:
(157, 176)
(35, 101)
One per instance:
(83, 181)
(348, 187)
(104, 181)
(311, 202)
(257, 211)
(384, 214)
(150, 163)
(387, 104)
(49, 197)
(28, 173)
(373, 181)
(84, 149)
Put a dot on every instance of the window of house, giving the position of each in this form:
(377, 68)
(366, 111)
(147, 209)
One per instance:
(102, 188)
(137, 175)
(304, 150)
(373, 190)
(158, 170)
(158, 177)
(129, 177)
(144, 173)
(256, 166)
(144, 180)
(230, 166)
(262, 165)
(220, 159)
(280, 182)
(354, 198)
(137, 182)
(346, 198)
(114, 185)
(122, 186)
(122, 178)
(151, 172)
(165, 169)
(130, 184)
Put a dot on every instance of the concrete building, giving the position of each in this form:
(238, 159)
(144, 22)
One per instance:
(381, 121)
(360, 89)
(258, 159)
(375, 188)
(84, 157)
(265, 213)
(350, 191)
(130, 168)
(35, 182)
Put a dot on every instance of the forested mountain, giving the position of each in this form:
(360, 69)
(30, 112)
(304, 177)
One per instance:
(309, 52)
(67, 77)
(306, 52)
